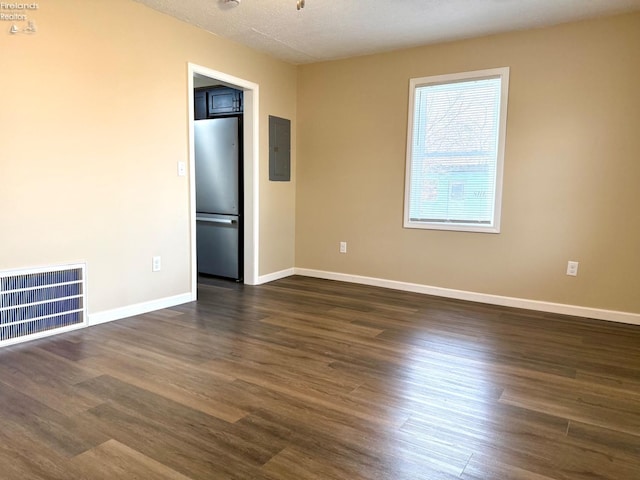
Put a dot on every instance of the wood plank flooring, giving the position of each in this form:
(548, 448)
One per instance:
(307, 379)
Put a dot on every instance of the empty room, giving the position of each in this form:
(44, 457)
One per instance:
(306, 239)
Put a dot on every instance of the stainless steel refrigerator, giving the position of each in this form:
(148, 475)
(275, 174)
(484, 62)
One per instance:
(218, 196)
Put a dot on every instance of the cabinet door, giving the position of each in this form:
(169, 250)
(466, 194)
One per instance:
(200, 104)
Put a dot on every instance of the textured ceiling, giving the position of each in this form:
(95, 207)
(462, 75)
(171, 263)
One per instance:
(331, 29)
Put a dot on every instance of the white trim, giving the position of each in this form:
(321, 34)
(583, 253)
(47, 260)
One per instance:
(251, 177)
(549, 307)
(138, 309)
(251, 172)
(271, 277)
(43, 334)
(192, 189)
(47, 268)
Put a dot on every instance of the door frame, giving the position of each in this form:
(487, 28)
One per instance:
(251, 129)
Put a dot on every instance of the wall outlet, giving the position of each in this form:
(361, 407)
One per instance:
(343, 247)
(572, 268)
(156, 264)
(182, 169)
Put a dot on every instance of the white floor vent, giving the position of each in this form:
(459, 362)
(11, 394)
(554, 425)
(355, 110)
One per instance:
(40, 302)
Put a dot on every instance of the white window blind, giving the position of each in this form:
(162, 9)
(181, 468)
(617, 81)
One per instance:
(455, 151)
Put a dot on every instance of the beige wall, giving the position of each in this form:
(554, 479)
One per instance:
(93, 120)
(571, 179)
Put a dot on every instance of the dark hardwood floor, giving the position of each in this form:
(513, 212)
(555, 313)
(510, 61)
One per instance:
(312, 379)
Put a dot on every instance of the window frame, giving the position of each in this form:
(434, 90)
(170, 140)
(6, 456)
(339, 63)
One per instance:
(414, 83)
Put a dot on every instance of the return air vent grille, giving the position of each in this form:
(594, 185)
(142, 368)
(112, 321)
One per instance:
(39, 302)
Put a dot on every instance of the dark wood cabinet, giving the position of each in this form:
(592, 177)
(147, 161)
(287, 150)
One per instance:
(200, 104)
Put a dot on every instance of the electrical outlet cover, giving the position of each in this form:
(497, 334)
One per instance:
(572, 268)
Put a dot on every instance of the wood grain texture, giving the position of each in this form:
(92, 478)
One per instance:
(310, 379)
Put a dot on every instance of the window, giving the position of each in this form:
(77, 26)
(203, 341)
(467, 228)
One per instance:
(455, 149)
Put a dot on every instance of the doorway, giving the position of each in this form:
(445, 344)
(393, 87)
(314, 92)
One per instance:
(197, 75)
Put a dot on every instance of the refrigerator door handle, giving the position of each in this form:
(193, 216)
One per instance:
(216, 220)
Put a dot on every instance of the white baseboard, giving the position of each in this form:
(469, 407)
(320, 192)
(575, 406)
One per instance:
(549, 307)
(270, 277)
(138, 309)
